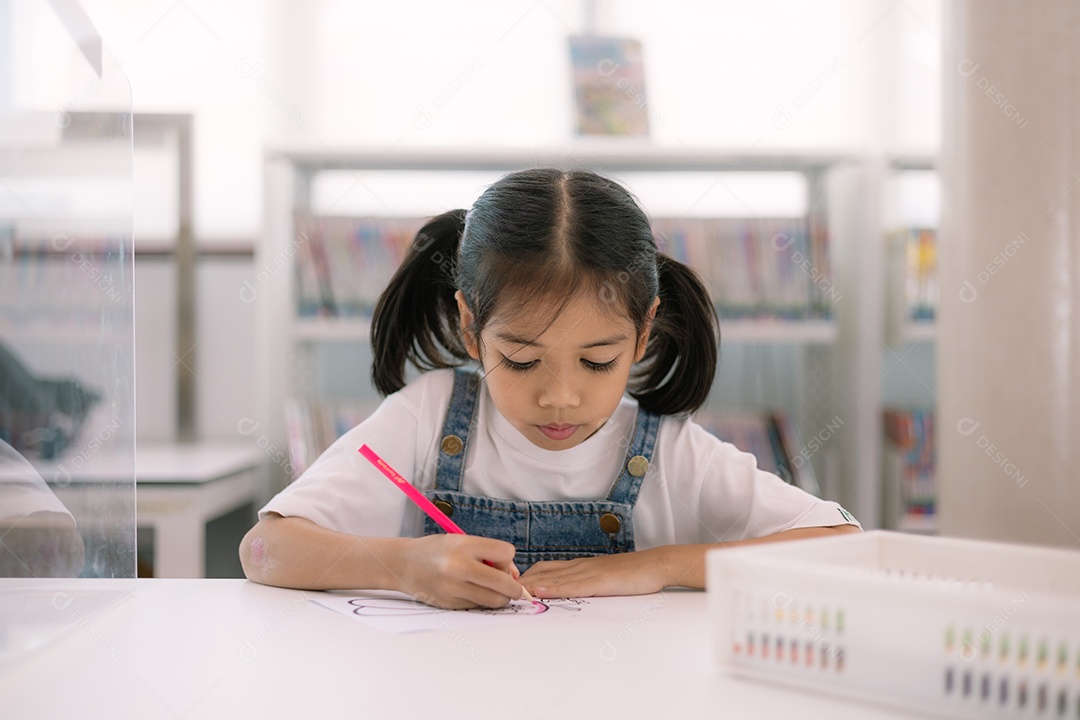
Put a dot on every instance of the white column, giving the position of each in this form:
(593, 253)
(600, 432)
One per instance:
(1009, 333)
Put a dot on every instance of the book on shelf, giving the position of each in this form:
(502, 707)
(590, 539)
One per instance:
(313, 426)
(770, 436)
(910, 461)
(756, 268)
(343, 263)
(913, 268)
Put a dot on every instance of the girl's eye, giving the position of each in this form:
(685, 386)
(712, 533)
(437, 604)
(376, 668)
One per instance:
(516, 366)
(600, 367)
(526, 366)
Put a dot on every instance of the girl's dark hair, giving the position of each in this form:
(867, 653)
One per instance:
(542, 234)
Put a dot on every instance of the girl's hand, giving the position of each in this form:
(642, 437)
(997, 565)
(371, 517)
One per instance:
(635, 573)
(448, 571)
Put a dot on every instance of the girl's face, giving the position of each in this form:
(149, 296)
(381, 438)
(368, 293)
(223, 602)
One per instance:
(560, 383)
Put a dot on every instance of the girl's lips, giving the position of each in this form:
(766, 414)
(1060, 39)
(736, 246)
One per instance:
(558, 432)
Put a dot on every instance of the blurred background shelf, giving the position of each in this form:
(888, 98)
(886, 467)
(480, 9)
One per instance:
(822, 332)
(358, 329)
(919, 332)
(325, 209)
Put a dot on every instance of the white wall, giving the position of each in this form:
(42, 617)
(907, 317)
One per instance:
(222, 359)
(181, 57)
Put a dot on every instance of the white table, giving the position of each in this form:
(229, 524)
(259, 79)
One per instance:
(233, 649)
(180, 488)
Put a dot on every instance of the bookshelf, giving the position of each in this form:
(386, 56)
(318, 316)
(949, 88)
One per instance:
(325, 358)
(911, 214)
(354, 329)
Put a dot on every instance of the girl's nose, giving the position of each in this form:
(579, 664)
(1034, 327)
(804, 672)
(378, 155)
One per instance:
(555, 393)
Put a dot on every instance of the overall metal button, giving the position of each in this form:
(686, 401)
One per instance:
(451, 444)
(446, 508)
(638, 466)
(610, 523)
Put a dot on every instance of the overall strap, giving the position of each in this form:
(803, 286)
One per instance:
(450, 467)
(638, 456)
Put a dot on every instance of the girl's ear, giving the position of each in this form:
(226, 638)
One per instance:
(643, 340)
(468, 335)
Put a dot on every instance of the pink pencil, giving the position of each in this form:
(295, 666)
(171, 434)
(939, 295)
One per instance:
(418, 497)
(415, 495)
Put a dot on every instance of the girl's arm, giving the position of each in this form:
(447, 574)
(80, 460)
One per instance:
(646, 571)
(443, 570)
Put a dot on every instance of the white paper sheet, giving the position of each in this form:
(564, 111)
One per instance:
(398, 613)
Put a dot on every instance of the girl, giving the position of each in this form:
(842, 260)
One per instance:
(552, 283)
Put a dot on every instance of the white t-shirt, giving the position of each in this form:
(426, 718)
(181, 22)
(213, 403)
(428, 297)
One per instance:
(698, 489)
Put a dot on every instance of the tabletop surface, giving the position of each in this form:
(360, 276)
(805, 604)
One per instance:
(195, 462)
(164, 463)
(232, 648)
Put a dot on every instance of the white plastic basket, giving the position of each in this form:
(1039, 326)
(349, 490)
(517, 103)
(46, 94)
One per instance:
(955, 628)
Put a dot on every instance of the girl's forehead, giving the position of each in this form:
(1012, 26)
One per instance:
(583, 316)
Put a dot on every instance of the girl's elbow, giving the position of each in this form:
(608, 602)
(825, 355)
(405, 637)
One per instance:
(253, 556)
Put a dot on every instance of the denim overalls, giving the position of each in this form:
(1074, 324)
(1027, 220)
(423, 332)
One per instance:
(540, 530)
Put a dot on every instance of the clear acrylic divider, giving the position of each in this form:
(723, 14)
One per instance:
(67, 379)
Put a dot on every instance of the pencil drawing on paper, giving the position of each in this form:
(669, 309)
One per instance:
(396, 612)
(401, 606)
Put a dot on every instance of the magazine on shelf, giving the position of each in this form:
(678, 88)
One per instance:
(609, 86)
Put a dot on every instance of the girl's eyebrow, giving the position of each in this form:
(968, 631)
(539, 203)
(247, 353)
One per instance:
(515, 340)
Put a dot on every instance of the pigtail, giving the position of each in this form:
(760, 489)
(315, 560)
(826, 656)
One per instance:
(677, 371)
(416, 318)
